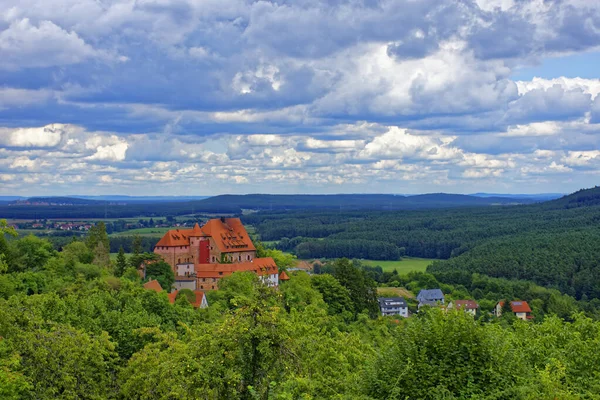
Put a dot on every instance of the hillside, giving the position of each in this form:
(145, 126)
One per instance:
(555, 244)
(235, 204)
(581, 198)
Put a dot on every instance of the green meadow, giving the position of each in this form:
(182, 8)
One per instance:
(406, 265)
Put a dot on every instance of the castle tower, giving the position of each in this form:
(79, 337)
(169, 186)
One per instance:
(199, 245)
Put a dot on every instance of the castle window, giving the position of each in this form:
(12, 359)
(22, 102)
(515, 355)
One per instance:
(220, 273)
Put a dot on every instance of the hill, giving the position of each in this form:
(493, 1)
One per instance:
(55, 201)
(356, 201)
(581, 198)
(235, 204)
(554, 244)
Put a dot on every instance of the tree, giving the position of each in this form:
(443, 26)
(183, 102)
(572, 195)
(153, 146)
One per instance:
(101, 255)
(363, 290)
(136, 245)
(6, 229)
(67, 363)
(121, 264)
(336, 296)
(162, 272)
(282, 260)
(77, 252)
(97, 234)
(31, 253)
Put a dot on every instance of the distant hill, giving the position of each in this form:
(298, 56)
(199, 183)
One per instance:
(235, 204)
(142, 199)
(63, 201)
(355, 201)
(536, 196)
(581, 198)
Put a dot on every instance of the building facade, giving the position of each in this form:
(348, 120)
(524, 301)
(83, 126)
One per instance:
(201, 256)
(468, 306)
(521, 309)
(393, 306)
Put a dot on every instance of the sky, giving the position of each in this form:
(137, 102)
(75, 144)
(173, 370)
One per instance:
(205, 97)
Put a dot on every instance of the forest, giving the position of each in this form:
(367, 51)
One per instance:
(555, 244)
(236, 204)
(75, 325)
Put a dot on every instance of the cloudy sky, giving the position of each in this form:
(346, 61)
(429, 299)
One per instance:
(201, 97)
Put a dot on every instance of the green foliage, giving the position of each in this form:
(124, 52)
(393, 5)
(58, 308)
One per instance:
(136, 246)
(96, 235)
(336, 296)
(76, 252)
(67, 363)
(362, 289)
(121, 264)
(162, 272)
(30, 253)
(282, 260)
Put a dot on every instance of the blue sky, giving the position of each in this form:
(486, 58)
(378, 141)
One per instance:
(202, 97)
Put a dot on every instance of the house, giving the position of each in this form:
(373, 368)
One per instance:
(469, 306)
(201, 256)
(521, 309)
(283, 276)
(199, 299)
(393, 306)
(434, 295)
(153, 285)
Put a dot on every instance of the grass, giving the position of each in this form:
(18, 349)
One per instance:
(113, 256)
(404, 266)
(144, 232)
(394, 291)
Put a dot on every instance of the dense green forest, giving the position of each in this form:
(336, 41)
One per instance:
(74, 325)
(555, 244)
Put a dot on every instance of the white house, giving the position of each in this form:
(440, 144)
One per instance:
(393, 306)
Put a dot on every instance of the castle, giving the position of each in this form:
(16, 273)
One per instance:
(201, 256)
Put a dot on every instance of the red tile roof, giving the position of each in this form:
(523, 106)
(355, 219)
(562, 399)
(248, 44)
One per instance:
(466, 304)
(229, 235)
(518, 306)
(283, 276)
(261, 266)
(196, 231)
(175, 237)
(153, 285)
(197, 302)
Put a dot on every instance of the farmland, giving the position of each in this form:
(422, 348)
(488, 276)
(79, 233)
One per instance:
(406, 265)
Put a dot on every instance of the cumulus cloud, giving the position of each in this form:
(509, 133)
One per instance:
(47, 136)
(295, 96)
(25, 45)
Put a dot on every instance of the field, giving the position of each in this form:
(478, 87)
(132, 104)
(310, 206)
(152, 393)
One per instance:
(144, 232)
(113, 256)
(406, 265)
(394, 291)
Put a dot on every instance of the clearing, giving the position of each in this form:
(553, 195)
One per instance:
(404, 266)
(145, 232)
(396, 291)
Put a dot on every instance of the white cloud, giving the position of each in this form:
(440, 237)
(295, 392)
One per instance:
(25, 45)
(581, 158)
(589, 86)
(47, 136)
